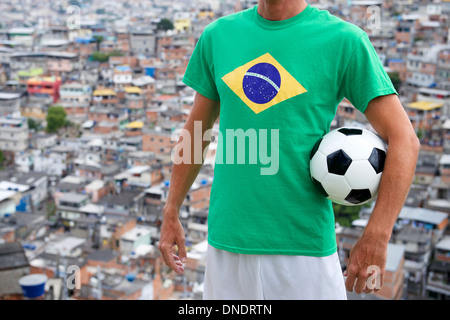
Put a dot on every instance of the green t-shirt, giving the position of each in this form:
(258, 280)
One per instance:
(279, 84)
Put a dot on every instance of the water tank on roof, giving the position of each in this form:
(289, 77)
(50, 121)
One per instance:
(130, 277)
(33, 285)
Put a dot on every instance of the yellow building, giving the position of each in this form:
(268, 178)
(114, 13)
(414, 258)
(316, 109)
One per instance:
(205, 13)
(182, 24)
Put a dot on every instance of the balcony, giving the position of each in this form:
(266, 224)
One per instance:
(420, 80)
(438, 282)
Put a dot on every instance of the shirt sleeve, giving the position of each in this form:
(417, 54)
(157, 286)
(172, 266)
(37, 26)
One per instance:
(199, 73)
(364, 77)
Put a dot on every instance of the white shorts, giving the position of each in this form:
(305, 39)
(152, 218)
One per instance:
(232, 276)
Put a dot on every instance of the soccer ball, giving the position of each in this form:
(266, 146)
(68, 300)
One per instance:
(346, 165)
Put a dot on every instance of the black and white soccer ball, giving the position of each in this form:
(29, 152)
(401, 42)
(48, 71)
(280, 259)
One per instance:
(346, 165)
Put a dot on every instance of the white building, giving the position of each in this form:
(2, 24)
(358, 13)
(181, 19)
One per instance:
(137, 176)
(75, 93)
(10, 104)
(122, 77)
(13, 134)
(53, 163)
(7, 204)
(137, 236)
(23, 35)
(143, 41)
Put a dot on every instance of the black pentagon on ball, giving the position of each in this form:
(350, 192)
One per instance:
(377, 159)
(338, 162)
(315, 148)
(357, 196)
(320, 187)
(350, 131)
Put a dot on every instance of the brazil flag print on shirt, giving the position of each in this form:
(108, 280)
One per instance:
(262, 83)
(279, 84)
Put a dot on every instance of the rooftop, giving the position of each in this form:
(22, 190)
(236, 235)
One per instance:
(425, 105)
(133, 90)
(102, 255)
(395, 255)
(73, 180)
(104, 92)
(413, 235)
(121, 199)
(39, 80)
(7, 185)
(12, 121)
(12, 256)
(423, 215)
(445, 159)
(72, 197)
(95, 185)
(6, 194)
(10, 95)
(135, 233)
(64, 246)
(21, 30)
(444, 244)
(92, 208)
(142, 81)
(135, 125)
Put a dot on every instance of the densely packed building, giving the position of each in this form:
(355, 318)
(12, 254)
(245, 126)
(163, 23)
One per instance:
(89, 194)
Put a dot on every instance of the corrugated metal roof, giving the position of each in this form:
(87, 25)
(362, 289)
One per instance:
(425, 105)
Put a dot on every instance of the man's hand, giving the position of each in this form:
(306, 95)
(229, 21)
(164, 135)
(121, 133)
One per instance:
(366, 265)
(172, 234)
(183, 176)
(367, 259)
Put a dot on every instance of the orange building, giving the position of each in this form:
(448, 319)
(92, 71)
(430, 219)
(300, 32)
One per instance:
(44, 86)
(159, 142)
(392, 288)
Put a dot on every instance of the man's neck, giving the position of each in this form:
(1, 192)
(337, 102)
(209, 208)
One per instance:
(280, 9)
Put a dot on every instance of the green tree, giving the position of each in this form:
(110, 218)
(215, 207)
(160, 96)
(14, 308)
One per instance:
(33, 124)
(395, 78)
(98, 40)
(164, 24)
(420, 133)
(344, 215)
(2, 159)
(56, 118)
(99, 56)
(104, 57)
(51, 211)
(115, 53)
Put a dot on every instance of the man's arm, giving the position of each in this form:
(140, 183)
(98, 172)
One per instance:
(391, 122)
(183, 176)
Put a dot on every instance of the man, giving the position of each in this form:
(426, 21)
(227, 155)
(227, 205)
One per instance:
(277, 73)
